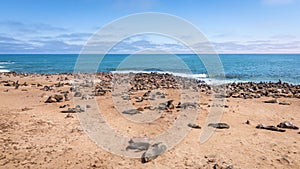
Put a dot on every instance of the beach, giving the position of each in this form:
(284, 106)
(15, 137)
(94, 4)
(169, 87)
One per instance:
(40, 125)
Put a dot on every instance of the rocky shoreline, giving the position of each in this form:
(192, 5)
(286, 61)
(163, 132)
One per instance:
(151, 81)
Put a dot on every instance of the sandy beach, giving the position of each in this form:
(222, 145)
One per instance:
(36, 134)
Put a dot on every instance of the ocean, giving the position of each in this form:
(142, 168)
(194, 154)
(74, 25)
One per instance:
(237, 67)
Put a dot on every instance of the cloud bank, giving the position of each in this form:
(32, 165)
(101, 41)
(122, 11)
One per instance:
(43, 38)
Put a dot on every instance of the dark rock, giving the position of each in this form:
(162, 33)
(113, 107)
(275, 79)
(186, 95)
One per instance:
(247, 122)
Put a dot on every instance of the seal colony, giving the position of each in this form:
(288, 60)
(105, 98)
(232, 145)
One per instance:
(38, 123)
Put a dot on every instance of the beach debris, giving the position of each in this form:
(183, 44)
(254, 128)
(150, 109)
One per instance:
(272, 128)
(153, 152)
(288, 125)
(137, 146)
(131, 112)
(195, 126)
(77, 109)
(219, 125)
(54, 98)
(271, 101)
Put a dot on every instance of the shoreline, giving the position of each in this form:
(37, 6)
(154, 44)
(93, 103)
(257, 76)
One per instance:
(244, 90)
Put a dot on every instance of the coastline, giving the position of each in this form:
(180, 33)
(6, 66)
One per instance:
(36, 133)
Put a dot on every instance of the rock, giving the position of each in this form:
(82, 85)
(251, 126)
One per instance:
(131, 112)
(247, 122)
(219, 125)
(288, 125)
(272, 128)
(153, 152)
(137, 146)
(194, 126)
(271, 101)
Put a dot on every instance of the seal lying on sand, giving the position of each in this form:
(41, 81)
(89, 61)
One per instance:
(272, 128)
(153, 152)
(219, 125)
(131, 112)
(195, 126)
(288, 125)
(138, 146)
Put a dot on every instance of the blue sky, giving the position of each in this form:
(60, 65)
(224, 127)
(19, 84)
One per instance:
(232, 26)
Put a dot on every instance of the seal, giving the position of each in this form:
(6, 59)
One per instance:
(138, 146)
(272, 128)
(219, 125)
(153, 152)
(288, 125)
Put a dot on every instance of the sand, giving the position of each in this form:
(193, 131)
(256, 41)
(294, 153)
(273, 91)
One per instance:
(35, 134)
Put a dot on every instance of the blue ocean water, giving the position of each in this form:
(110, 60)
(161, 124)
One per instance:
(237, 67)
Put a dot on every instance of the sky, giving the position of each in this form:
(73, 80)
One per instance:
(231, 26)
